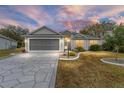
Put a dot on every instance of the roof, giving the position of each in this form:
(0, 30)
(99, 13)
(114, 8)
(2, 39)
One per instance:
(42, 28)
(66, 32)
(78, 35)
(74, 35)
(2, 36)
(84, 37)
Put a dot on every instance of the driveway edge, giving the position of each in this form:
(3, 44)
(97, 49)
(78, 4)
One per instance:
(53, 77)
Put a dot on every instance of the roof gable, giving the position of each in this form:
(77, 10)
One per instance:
(44, 31)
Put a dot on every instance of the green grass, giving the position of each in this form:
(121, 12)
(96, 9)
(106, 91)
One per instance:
(5, 53)
(89, 71)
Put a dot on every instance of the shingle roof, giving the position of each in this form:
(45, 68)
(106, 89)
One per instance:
(66, 33)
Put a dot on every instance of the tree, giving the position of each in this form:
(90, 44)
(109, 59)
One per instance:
(98, 29)
(108, 44)
(14, 32)
(17, 29)
(85, 31)
(116, 40)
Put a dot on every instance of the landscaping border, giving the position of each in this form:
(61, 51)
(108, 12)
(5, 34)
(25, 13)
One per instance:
(111, 62)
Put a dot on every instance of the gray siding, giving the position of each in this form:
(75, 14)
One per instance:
(7, 44)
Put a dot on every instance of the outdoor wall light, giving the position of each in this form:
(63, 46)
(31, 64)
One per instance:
(66, 47)
(67, 39)
(25, 40)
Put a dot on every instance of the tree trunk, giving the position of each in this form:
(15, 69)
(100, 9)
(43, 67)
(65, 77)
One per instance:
(117, 54)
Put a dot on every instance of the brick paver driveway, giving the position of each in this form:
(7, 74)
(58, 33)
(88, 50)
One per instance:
(29, 70)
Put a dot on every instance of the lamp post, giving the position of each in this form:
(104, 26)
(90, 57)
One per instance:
(68, 41)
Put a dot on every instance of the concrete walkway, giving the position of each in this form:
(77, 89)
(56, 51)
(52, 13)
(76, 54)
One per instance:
(29, 70)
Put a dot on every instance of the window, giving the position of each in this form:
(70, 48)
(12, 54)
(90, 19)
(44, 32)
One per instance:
(79, 43)
(92, 42)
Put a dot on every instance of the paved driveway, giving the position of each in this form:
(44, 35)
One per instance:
(29, 70)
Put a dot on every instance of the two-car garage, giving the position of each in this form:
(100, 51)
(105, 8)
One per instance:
(44, 39)
(43, 44)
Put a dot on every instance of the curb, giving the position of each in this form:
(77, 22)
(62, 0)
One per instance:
(78, 55)
(111, 62)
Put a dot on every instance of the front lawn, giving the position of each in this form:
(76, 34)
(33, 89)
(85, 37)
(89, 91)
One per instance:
(89, 71)
(5, 53)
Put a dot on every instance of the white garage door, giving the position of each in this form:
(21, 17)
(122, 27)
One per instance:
(44, 44)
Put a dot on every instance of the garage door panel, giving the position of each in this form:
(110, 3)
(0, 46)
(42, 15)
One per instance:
(44, 44)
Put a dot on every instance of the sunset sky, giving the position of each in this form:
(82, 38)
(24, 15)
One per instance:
(59, 18)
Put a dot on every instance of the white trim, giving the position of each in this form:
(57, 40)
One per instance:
(28, 41)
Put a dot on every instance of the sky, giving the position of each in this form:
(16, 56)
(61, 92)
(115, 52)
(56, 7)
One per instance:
(59, 18)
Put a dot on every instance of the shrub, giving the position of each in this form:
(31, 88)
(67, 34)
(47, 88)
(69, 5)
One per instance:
(95, 47)
(72, 53)
(107, 47)
(79, 49)
(121, 49)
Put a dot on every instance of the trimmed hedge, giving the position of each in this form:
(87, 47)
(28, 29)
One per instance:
(95, 47)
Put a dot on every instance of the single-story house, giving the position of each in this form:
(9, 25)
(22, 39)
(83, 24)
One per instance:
(7, 43)
(46, 39)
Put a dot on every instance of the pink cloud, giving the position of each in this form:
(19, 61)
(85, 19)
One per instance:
(35, 13)
(118, 19)
(73, 17)
(5, 20)
(8, 21)
(72, 12)
(76, 25)
(94, 19)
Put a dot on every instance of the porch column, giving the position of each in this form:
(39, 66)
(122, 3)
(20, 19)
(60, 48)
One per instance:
(62, 45)
(73, 46)
(100, 42)
(86, 44)
(26, 44)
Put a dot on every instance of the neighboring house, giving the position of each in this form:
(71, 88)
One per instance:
(7, 43)
(45, 39)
